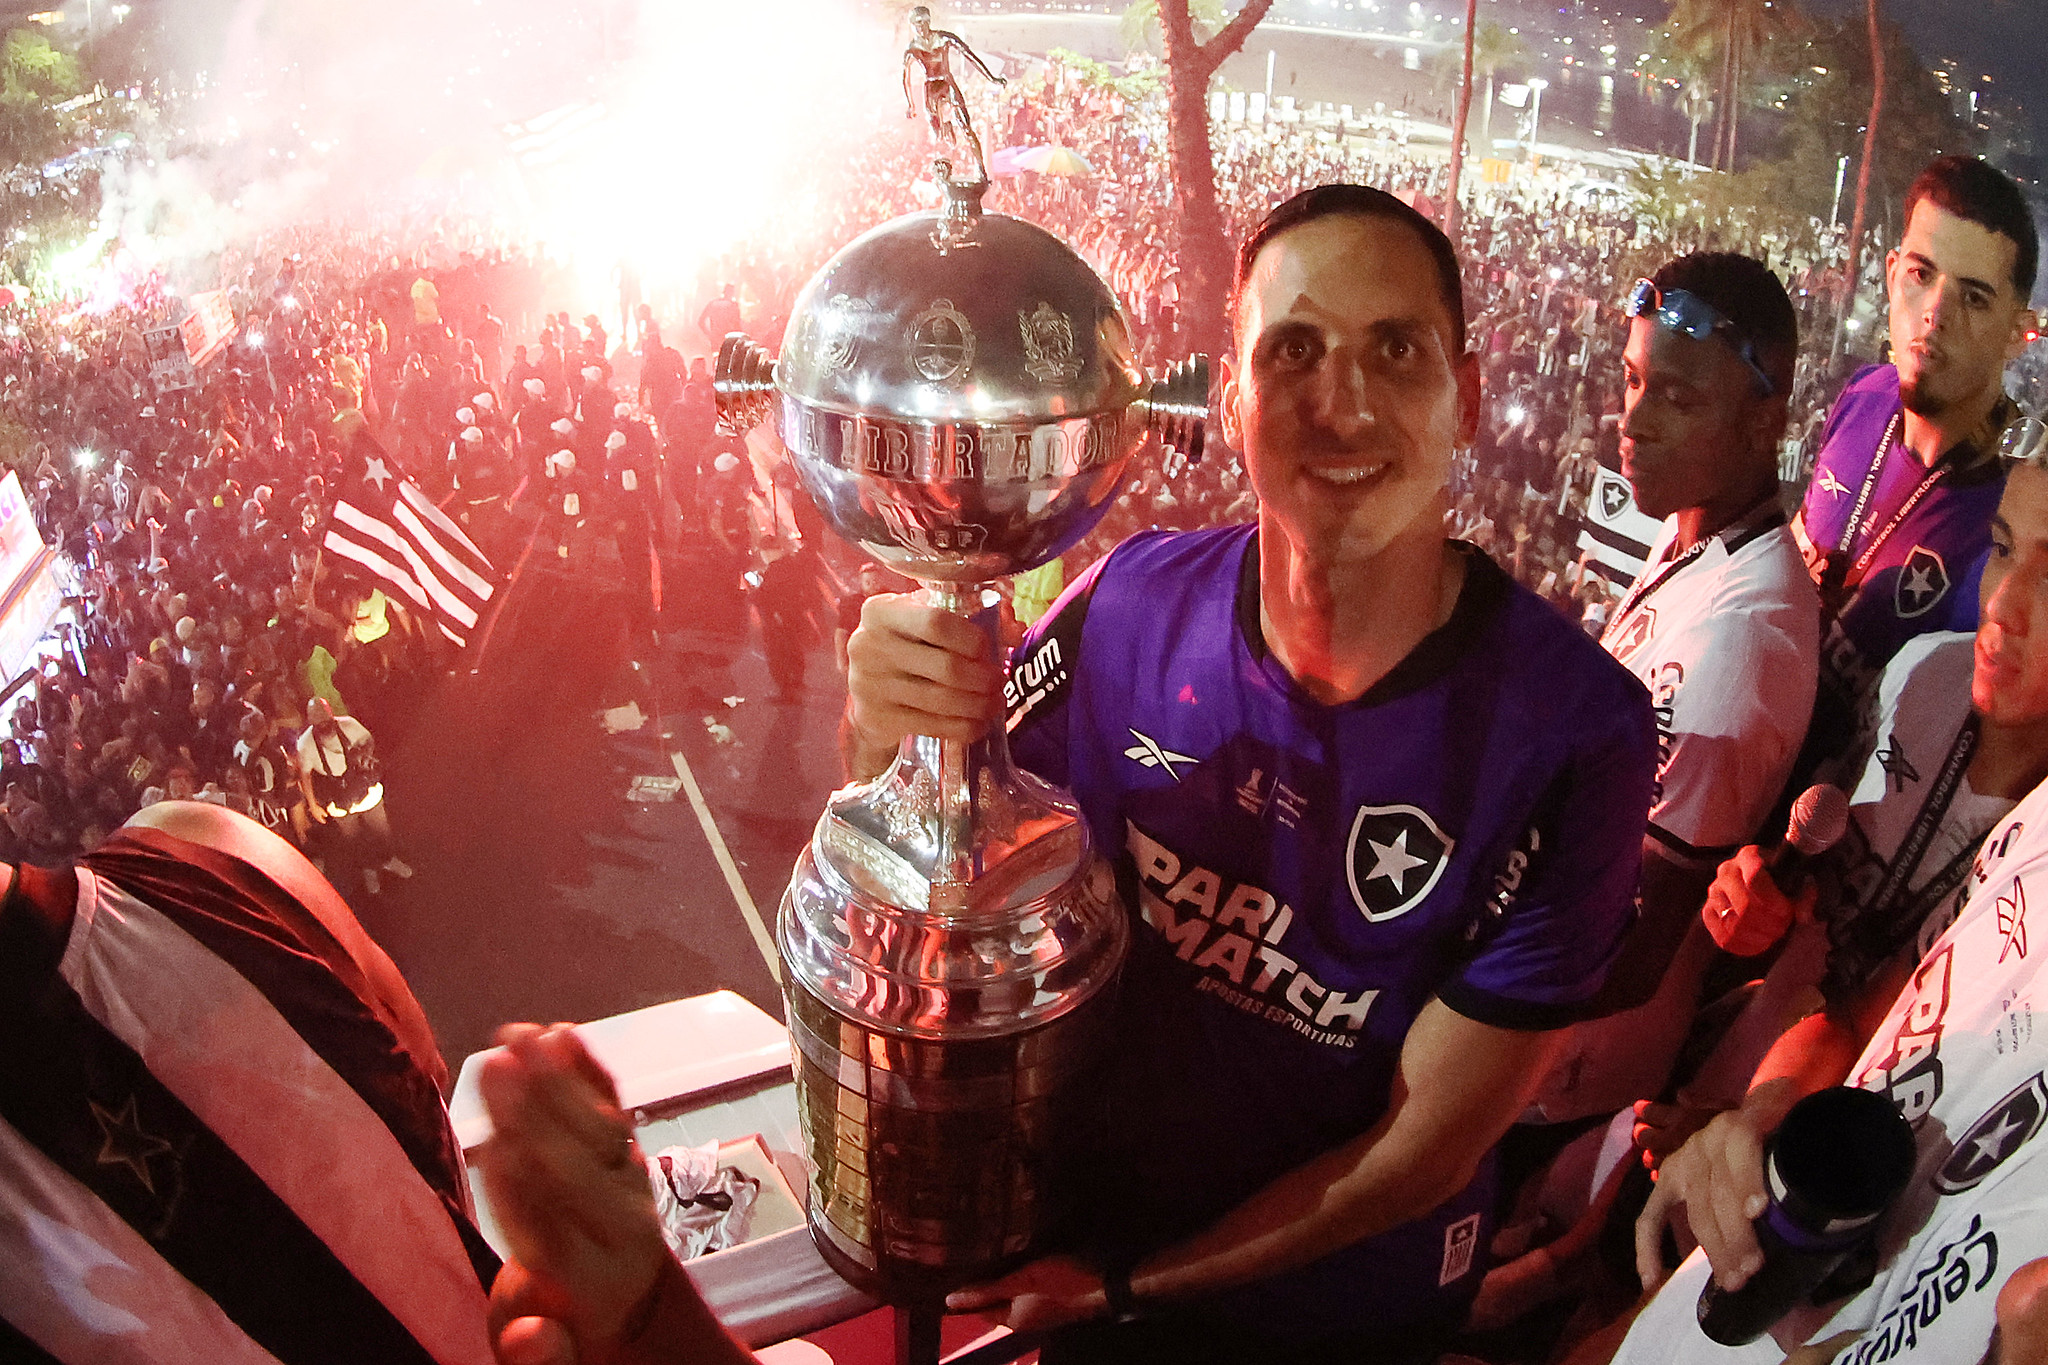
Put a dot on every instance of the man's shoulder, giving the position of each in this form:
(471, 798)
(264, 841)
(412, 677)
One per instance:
(1881, 380)
(1930, 672)
(1871, 395)
(1766, 574)
(1547, 654)
(1150, 554)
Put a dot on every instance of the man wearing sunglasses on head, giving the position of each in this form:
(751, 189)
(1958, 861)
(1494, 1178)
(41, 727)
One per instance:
(1897, 516)
(1722, 626)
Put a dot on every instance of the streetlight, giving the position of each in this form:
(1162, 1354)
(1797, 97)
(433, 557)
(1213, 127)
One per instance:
(1537, 86)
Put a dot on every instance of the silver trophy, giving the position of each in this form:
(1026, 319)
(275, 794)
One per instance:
(959, 395)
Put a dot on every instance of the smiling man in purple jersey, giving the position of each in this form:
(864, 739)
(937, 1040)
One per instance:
(1377, 813)
(1897, 519)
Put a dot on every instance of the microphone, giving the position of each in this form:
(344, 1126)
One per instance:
(1820, 817)
(1832, 1168)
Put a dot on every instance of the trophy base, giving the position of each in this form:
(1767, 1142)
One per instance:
(939, 1163)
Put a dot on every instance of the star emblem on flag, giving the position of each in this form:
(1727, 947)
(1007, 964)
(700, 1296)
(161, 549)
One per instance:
(384, 531)
(1614, 496)
(124, 1141)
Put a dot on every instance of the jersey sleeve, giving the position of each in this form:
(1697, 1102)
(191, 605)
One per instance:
(1737, 720)
(1964, 604)
(1040, 686)
(1571, 893)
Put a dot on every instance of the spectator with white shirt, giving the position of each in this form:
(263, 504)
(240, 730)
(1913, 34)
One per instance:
(1723, 628)
(344, 791)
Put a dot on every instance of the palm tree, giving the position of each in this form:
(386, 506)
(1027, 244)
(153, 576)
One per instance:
(34, 78)
(1487, 48)
(1861, 215)
(1734, 31)
(1140, 23)
(1490, 47)
(1451, 204)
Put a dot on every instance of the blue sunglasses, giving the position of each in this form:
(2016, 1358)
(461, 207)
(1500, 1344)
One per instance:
(1698, 319)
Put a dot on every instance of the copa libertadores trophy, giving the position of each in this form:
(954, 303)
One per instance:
(959, 395)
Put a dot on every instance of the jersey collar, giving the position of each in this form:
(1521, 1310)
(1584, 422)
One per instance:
(1481, 597)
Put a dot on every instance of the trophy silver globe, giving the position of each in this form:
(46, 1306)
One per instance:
(959, 395)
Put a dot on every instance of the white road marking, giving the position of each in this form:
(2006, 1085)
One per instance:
(762, 938)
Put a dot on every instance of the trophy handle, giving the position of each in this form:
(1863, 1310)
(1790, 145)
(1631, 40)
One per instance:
(743, 383)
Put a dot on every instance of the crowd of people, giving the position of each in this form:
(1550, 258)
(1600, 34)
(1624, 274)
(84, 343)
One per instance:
(1546, 261)
(206, 624)
(188, 521)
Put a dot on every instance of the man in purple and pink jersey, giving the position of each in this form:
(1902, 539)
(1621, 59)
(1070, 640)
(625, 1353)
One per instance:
(1896, 521)
(1377, 813)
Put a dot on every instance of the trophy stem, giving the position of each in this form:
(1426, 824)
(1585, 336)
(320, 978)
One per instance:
(960, 764)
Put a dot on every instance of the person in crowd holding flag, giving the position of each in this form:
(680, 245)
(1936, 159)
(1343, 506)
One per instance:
(1897, 516)
(343, 785)
(384, 530)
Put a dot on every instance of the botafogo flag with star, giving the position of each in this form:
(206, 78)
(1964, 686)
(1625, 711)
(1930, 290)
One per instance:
(394, 535)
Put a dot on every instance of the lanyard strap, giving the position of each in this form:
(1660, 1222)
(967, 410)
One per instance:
(1641, 593)
(1839, 575)
(1913, 847)
(1870, 478)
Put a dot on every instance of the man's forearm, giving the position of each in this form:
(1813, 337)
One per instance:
(1475, 1079)
(1814, 1054)
(1344, 1196)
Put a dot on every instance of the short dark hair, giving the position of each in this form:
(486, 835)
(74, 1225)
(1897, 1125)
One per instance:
(1356, 201)
(1745, 292)
(1972, 188)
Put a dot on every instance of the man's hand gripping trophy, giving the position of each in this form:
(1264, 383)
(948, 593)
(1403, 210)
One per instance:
(945, 107)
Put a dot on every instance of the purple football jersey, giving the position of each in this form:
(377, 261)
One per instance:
(1920, 577)
(1305, 878)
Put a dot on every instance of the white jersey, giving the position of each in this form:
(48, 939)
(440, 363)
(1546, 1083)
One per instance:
(1960, 1056)
(1919, 707)
(1916, 712)
(1729, 645)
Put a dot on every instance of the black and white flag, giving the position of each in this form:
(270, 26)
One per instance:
(392, 532)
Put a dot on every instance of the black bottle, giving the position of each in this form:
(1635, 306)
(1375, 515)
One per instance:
(1832, 1168)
